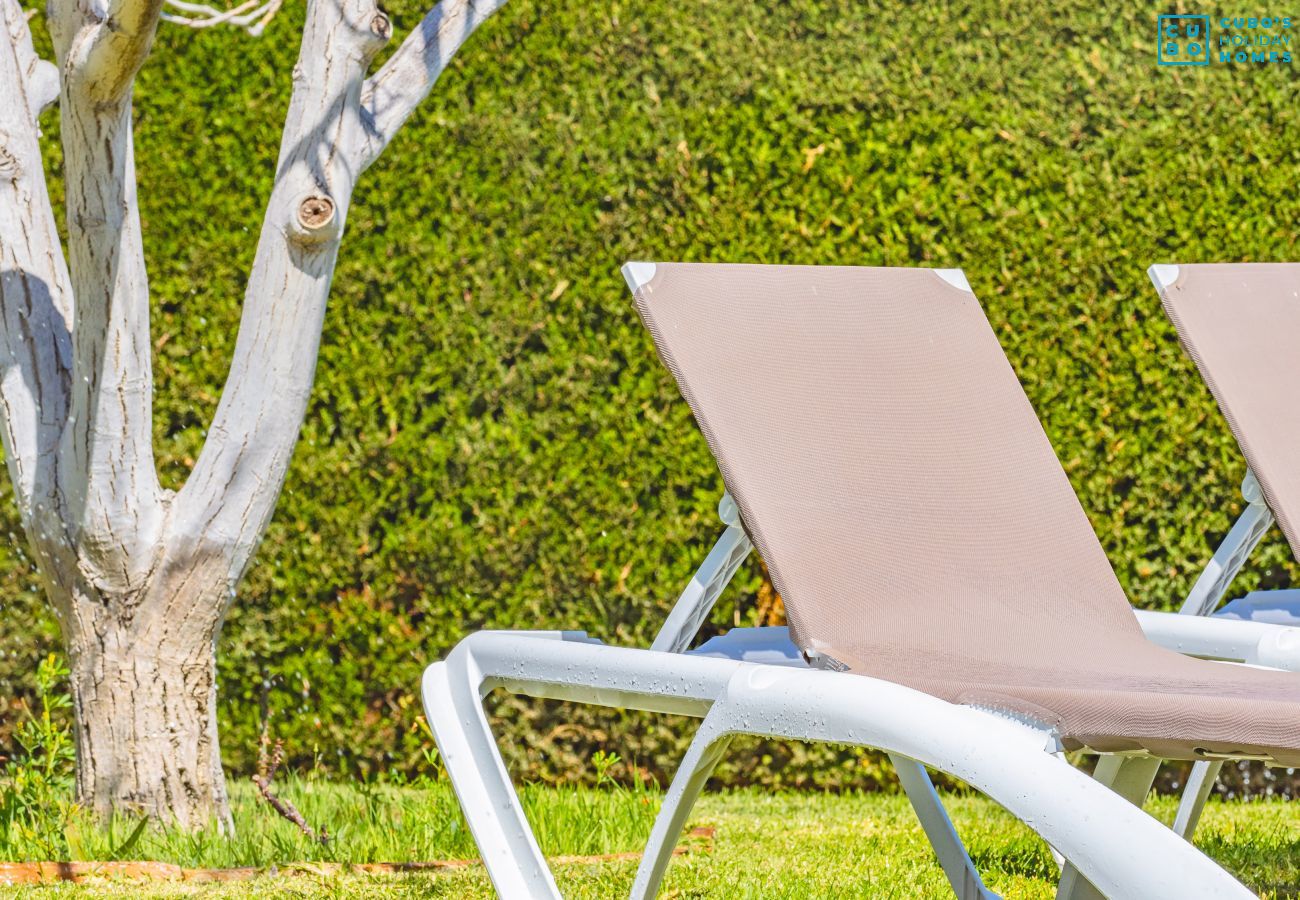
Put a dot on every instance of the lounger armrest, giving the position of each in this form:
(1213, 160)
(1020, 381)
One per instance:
(1254, 643)
(707, 584)
(1231, 555)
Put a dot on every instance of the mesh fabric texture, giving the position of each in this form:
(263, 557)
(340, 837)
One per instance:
(914, 517)
(1240, 322)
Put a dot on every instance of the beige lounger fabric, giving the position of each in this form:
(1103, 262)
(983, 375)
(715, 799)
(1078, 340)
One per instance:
(1241, 323)
(892, 473)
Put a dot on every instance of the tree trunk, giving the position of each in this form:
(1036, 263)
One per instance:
(146, 717)
(141, 578)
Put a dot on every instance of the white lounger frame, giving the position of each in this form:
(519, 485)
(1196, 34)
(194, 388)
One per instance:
(1110, 846)
(1098, 827)
(1120, 849)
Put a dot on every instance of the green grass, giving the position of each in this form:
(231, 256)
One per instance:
(766, 845)
(366, 823)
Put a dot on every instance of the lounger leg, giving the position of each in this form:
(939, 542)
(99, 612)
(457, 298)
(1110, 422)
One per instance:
(956, 862)
(1130, 777)
(706, 750)
(496, 819)
(1199, 784)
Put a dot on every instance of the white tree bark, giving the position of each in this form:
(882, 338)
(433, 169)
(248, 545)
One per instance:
(402, 83)
(141, 579)
(35, 345)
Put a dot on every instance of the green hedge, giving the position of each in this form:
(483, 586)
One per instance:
(492, 442)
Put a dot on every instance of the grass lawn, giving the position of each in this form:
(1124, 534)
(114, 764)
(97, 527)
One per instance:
(764, 845)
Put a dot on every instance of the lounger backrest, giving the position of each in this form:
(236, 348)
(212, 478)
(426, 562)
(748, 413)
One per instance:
(885, 459)
(1240, 322)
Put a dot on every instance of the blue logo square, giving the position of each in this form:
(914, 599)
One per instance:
(1183, 41)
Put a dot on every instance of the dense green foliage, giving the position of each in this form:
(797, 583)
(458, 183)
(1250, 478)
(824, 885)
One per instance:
(492, 441)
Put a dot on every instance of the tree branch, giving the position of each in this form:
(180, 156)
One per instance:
(37, 78)
(402, 83)
(330, 136)
(35, 291)
(101, 44)
(250, 15)
(113, 504)
(227, 501)
(106, 473)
